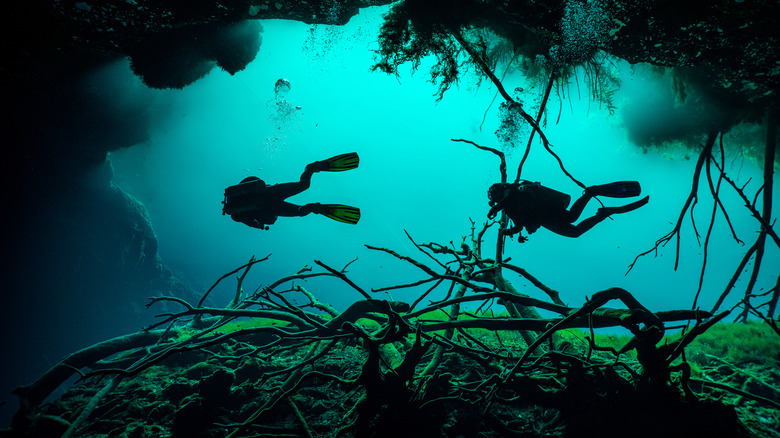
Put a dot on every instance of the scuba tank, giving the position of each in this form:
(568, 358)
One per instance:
(244, 197)
(545, 196)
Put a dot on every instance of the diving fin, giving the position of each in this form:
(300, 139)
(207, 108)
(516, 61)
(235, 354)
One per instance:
(339, 163)
(608, 211)
(341, 213)
(620, 189)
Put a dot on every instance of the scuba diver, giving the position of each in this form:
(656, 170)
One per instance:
(257, 205)
(531, 205)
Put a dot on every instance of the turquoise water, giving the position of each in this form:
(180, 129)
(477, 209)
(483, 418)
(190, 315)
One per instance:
(412, 177)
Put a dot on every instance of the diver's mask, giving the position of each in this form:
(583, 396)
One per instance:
(496, 193)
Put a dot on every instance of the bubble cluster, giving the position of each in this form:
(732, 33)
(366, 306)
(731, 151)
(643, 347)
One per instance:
(513, 127)
(282, 114)
(281, 88)
(584, 29)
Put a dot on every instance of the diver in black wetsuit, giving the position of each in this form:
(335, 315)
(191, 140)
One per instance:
(257, 205)
(531, 205)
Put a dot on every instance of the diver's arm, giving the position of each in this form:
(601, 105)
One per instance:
(254, 223)
(514, 230)
(495, 209)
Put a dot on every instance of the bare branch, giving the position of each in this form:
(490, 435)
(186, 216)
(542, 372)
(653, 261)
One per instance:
(765, 225)
(542, 107)
(692, 197)
(250, 263)
(344, 279)
(501, 156)
(552, 293)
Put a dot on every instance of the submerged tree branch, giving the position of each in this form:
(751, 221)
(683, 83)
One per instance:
(691, 200)
(542, 107)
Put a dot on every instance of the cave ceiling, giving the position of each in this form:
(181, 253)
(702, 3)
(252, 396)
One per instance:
(733, 41)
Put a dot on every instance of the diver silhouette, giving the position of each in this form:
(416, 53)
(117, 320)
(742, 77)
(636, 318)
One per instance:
(258, 205)
(531, 205)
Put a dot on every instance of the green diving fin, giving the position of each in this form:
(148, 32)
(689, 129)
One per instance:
(339, 163)
(341, 213)
(620, 189)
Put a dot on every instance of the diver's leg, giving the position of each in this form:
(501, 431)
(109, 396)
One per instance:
(571, 230)
(292, 210)
(285, 190)
(315, 207)
(289, 209)
(576, 209)
(621, 189)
